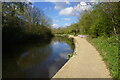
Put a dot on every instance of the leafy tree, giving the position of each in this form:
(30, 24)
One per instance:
(22, 22)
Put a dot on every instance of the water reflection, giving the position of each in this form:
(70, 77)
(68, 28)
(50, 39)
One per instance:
(38, 60)
(34, 56)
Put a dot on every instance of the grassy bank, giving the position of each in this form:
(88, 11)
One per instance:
(108, 48)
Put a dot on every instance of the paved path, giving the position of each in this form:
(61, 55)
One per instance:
(87, 63)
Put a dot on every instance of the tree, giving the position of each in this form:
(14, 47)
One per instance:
(23, 22)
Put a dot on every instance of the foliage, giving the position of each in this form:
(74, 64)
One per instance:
(102, 20)
(108, 48)
(23, 23)
(73, 29)
(70, 55)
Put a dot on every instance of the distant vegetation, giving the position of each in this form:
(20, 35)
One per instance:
(102, 24)
(21, 22)
(103, 20)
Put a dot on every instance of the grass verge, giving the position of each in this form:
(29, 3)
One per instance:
(108, 48)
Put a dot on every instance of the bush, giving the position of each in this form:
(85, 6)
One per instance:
(26, 33)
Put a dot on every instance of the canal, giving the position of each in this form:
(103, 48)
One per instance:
(36, 60)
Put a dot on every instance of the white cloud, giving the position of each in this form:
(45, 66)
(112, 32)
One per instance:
(76, 10)
(66, 24)
(55, 25)
(63, 55)
(60, 5)
(52, 0)
(67, 19)
(80, 7)
(29, 0)
(55, 21)
(45, 9)
(66, 11)
(83, 3)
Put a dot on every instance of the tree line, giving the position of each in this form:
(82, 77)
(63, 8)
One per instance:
(22, 22)
(102, 20)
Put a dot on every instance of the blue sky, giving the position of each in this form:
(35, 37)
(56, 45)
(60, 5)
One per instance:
(62, 14)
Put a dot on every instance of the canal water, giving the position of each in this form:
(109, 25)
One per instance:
(36, 60)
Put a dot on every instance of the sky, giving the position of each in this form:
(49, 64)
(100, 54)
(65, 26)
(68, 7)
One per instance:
(63, 14)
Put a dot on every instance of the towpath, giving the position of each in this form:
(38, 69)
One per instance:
(86, 63)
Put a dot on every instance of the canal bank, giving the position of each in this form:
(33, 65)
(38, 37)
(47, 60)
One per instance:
(85, 63)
